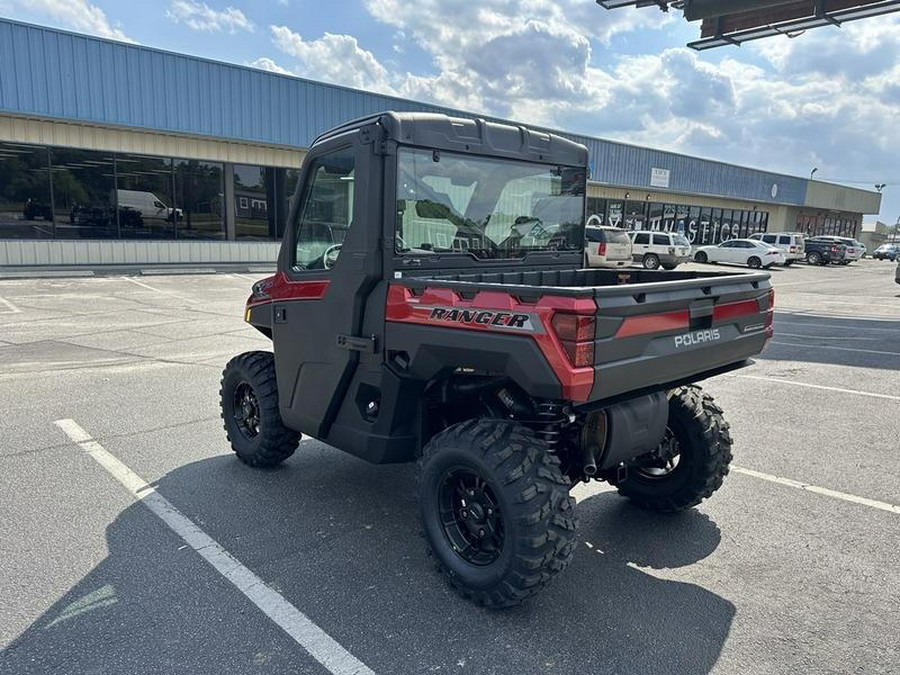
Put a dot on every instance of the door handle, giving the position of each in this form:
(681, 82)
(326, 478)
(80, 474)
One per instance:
(366, 345)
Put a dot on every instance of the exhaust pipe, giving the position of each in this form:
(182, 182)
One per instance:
(589, 459)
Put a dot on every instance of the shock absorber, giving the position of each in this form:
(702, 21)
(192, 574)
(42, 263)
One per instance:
(550, 419)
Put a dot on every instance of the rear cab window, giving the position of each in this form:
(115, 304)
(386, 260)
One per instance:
(594, 235)
(616, 237)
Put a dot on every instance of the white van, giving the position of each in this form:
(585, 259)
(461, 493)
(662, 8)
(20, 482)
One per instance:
(789, 243)
(149, 205)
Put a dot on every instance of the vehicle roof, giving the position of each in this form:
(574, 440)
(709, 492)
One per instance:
(440, 131)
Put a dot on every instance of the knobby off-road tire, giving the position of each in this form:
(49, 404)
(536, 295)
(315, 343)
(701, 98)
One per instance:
(249, 401)
(496, 511)
(704, 453)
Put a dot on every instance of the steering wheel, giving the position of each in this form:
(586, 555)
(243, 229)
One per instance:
(330, 256)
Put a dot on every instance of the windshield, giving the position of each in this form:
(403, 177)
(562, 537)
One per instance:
(487, 207)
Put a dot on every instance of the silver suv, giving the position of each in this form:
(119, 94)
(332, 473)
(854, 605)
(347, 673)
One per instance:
(659, 249)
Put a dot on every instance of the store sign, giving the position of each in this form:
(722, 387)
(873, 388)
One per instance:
(659, 178)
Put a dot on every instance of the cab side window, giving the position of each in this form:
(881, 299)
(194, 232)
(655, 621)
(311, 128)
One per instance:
(661, 240)
(325, 212)
(642, 238)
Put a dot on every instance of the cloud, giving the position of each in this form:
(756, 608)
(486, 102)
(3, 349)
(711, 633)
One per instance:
(333, 58)
(830, 98)
(201, 17)
(78, 15)
(265, 63)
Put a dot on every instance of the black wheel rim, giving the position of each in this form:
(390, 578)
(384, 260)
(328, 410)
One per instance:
(246, 410)
(470, 516)
(664, 461)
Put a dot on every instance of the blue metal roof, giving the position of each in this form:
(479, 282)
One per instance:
(58, 74)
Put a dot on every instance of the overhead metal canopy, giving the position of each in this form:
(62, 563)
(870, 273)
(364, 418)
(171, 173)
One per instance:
(732, 22)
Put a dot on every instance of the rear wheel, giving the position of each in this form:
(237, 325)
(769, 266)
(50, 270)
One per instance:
(690, 463)
(651, 261)
(669, 267)
(788, 263)
(701, 257)
(496, 511)
(249, 402)
(754, 262)
(814, 258)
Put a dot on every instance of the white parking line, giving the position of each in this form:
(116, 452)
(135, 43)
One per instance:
(839, 349)
(872, 503)
(833, 337)
(857, 328)
(12, 308)
(142, 284)
(794, 383)
(321, 646)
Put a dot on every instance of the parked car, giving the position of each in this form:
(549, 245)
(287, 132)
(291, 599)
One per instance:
(821, 251)
(853, 251)
(659, 249)
(897, 274)
(887, 252)
(789, 243)
(35, 209)
(749, 252)
(606, 246)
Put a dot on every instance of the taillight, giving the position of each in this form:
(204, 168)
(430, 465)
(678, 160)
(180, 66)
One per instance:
(576, 332)
(770, 315)
(834, 249)
(601, 249)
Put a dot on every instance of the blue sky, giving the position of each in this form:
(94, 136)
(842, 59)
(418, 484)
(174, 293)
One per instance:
(829, 99)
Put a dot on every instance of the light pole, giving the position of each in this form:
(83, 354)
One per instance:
(812, 172)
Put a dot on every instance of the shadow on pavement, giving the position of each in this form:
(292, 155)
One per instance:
(340, 539)
(862, 343)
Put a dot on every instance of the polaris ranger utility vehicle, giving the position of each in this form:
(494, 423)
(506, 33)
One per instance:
(429, 306)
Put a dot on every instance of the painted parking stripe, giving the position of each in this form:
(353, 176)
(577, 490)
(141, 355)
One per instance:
(11, 307)
(321, 646)
(832, 348)
(833, 326)
(142, 284)
(864, 501)
(840, 390)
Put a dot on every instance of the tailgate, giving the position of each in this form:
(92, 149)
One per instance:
(651, 334)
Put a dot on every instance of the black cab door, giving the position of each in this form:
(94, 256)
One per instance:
(326, 265)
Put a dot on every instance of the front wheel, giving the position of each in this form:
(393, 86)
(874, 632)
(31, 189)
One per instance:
(754, 263)
(788, 263)
(496, 511)
(690, 462)
(249, 401)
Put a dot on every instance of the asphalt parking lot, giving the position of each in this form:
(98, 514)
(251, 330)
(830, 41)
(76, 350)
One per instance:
(792, 567)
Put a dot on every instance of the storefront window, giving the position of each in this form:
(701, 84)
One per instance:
(615, 216)
(144, 197)
(655, 220)
(198, 200)
(25, 200)
(84, 194)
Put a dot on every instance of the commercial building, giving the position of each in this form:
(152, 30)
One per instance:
(114, 153)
